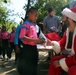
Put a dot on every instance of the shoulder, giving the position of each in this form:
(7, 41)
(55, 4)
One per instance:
(46, 17)
(27, 24)
(18, 27)
(56, 17)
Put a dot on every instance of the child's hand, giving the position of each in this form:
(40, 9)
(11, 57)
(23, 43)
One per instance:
(42, 40)
(17, 49)
(44, 44)
(39, 41)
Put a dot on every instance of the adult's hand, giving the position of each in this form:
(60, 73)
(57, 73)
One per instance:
(56, 63)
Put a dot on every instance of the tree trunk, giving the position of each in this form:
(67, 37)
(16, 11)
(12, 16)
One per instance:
(28, 5)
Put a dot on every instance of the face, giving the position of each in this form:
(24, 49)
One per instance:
(13, 29)
(52, 13)
(4, 28)
(33, 16)
(71, 25)
(64, 18)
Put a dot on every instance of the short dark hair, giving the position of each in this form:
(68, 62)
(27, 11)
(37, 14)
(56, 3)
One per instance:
(50, 9)
(32, 10)
(3, 26)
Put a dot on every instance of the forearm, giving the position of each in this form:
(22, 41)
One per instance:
(36, 40)
(28, 39)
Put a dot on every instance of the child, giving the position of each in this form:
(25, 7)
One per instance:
(5, 42)
(12, 46)
(28, 59)
(67, 61)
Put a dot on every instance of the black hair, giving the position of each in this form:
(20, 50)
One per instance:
(32, 10)
(3, 26)
(13, 27)
(50, 9)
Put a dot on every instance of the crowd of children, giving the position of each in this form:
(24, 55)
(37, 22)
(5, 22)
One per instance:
(6, 43)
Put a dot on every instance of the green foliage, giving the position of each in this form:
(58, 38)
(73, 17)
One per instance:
(3, 13)
(43, 5)
(9, 25)
(4, 16)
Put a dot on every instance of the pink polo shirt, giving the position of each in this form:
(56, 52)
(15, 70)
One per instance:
(12, 37)
(4, 35)
(28, 29)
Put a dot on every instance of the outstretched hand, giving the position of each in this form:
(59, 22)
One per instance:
(56, 63)
(48, 42)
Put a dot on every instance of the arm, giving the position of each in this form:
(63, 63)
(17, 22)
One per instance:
(24, 32)
(60, 45)
(16, 38)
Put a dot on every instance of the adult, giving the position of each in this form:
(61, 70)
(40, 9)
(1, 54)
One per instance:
(67, 61)
(51, 21)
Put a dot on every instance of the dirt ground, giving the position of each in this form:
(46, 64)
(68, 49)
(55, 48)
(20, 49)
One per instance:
(8, 68)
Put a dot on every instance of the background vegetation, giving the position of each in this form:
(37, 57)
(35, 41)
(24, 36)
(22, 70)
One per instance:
(41, 5)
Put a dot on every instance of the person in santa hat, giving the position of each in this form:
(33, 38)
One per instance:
(66, 61)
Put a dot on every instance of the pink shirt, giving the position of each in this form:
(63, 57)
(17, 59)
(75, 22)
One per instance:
(28, 29)
(12, 37)
(4, 35)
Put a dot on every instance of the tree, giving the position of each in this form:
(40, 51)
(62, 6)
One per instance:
(28, 5)
(42, 6)
(4, 14)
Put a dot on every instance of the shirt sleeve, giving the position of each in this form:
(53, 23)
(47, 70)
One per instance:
(16, 37)
(23, 31)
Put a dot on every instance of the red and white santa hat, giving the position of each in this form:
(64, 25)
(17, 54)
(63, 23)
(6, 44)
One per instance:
(71, 13)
